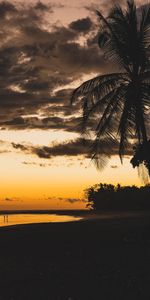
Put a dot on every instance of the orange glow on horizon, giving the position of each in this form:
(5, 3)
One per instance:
(51, 183)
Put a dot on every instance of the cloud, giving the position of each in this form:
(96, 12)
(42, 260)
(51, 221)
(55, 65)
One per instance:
(69, 200)
(114, 166)
(36, 164)
(19, 146)
(36, 59)
(81, 25)
(71, 148)
(15, 122)
(8, 199)
(41, 6)
(40, 64)
(6, 8)
(13, 199)
(4, 151)
(74, 200)
(70, 124)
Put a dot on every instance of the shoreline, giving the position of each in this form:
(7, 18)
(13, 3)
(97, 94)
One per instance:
(104, 218)
(84, 217)
(48, 211)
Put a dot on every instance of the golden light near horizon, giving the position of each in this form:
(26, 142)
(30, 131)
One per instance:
(46, 184)
(48, 50)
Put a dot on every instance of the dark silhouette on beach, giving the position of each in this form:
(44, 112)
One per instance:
(5, 218)
(116, 105)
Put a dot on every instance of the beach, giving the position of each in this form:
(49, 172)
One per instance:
(88, 259)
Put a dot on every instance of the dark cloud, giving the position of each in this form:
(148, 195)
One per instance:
(6, 8)
(12, 199)
(19, 146)
(71, 124)
(72, 148)
(74, 200)
(81, 25)
(36, 59)
(35, 164)
(69, 200)
(41, 6)
(40, 63)
(8, 199)
(15, 122)
(114, 166)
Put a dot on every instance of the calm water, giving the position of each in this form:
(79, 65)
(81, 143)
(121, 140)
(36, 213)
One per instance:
(15, 219)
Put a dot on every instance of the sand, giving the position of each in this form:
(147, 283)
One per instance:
(91, 259)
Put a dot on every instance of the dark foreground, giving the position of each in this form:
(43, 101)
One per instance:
(95, 260)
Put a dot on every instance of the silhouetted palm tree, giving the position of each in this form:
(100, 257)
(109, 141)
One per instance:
(118, 103)
(142, 156)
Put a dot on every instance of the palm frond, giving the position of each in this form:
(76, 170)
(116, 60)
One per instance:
(107, 123)
(98, 107)
(97, 84)
(126, 124)
(100, 152)
(116, 106)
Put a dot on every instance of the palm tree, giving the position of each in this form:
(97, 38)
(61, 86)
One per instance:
(141, 157)
(116, 105)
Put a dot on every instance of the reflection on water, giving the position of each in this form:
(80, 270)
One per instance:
(14, 219)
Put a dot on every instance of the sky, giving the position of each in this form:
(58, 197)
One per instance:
(46, 50)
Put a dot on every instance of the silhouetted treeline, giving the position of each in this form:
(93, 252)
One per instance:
(110, 197)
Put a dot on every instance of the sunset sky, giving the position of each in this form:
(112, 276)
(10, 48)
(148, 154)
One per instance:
(46, 50)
